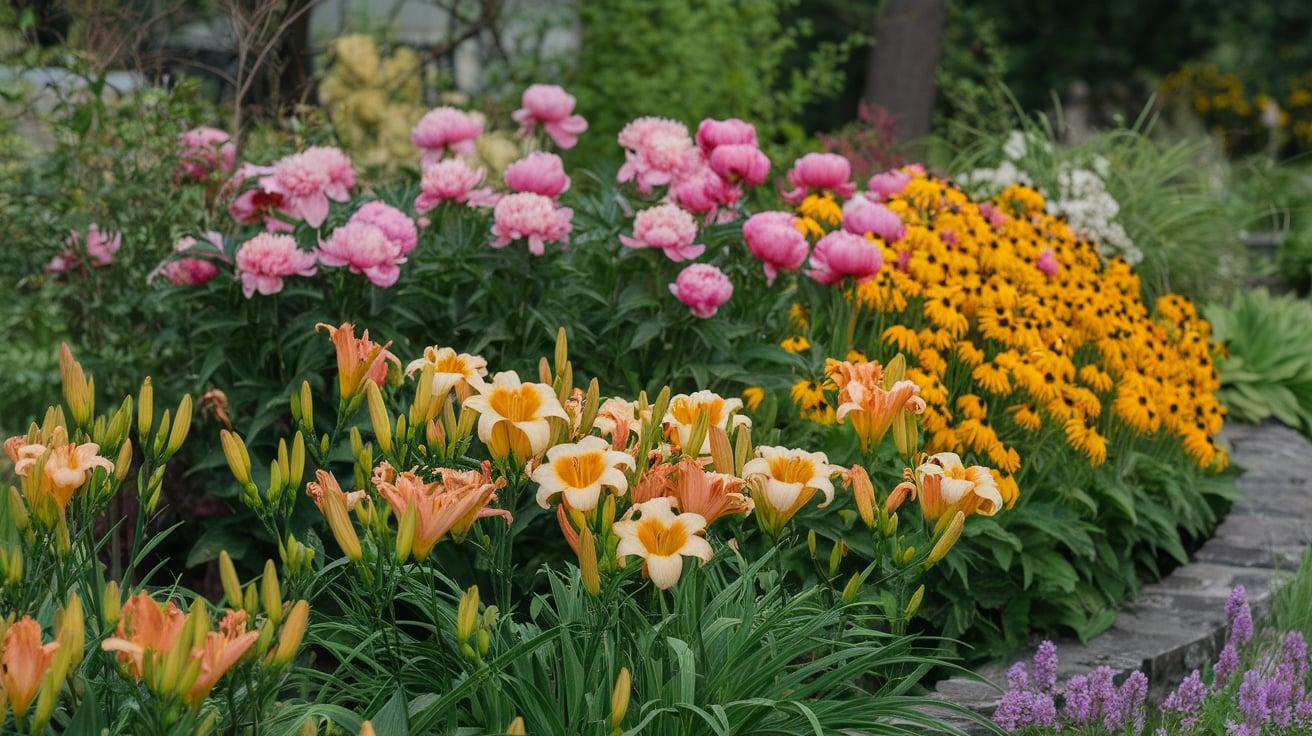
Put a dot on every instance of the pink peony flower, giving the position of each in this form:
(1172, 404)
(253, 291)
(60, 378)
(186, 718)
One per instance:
(552, 106)
(656, 151)
(540, 173)
(341, 172)
(702, 191)
(100, 249)
(442, 128)
(887, 184)
(307, 180)
(774, 239)
(366, 249)
(666, 227)
(861, 216)
(525, 215)
(740, 162)
(266, 259)
(101, 246)
(205, 150)
(452, 180)
(712, 134)
(1047, 263)
(819, 171)
(395, 224)
(703, 287)
(193, 271)
(256, 204)
(841, 254)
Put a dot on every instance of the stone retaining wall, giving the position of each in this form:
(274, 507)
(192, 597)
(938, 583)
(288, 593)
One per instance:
(1178, 623)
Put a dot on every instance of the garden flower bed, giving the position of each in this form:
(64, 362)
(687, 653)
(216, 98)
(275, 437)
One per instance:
(549, 450)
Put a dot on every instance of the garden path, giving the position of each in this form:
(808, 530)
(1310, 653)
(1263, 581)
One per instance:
(1177, 624)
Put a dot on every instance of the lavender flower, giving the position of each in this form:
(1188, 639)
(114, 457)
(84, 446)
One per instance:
(1226, 665)
(1129, 703)
(1239, 616)
(1045, 667)
(1187, 700)
(1018, 678)
(1253, 698)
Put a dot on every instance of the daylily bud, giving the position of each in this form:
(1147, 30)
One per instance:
(119, 424)
(275, 482)
(945, 542)
(890, 526)
(239, 460)
(836, 555)
(207, 726)
(123, 463)
(810, 542)
(12, 561)
(544, 371)
(588, 570)
(405, 533)
(228, 577)
(307, 407)
(591, 404)
(251, 600)
(379, 417)
(863, 492)
(309, 728)
(908, 554)
(467, 614)
(367, 729)
(296, 463)
(721, 452)
(852, 588)
(145, 409)
(271, 593)
(913, 605)
(293, 631)
(181, 425)
(562, 350)
(160, 441)
(18, 510)
(516, 727)
(619, 698)
(111, 604)
(79, 391)
(697, 435)
(742, 449)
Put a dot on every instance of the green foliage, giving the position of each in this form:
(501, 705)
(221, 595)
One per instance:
(1268, 369)
(970, 76)
(718, 59)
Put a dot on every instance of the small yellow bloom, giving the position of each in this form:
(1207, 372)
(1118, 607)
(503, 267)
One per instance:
(451, 370)
(580, 472)
(795, 344)
(514, 417)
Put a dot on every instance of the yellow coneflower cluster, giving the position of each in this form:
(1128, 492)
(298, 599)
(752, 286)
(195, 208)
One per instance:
(1018, 333)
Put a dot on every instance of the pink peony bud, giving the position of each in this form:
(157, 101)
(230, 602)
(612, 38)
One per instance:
(861, 216)
(445, 128)
(841, 254)
(552, 106)
(540, 173)
(887, 184)
(740, 162)
(712, 134)
(773, 238)
(703, 287)
(205, 150)
(192, 270)
(820, 172)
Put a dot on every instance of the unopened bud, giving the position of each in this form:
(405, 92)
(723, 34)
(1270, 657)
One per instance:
(853, 588)
(228, 577)
(271, 593)
(913, 605)
(293, 631)
(588, 569)
(946, 542)
(619, 698)
(467, 614)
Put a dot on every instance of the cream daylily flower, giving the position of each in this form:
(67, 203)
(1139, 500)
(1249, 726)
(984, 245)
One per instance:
(946, 484)
(662, 539)
(451, 370)
(785, 480)
(685, 408)
(513, 415)
(617, 419)
(579, 471)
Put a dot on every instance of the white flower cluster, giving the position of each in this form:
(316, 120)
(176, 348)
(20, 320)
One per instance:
(1080, 194)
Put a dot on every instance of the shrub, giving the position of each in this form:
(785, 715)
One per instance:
(1267, 372)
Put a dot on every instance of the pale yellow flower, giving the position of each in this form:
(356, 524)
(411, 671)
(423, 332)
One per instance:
(662, 539)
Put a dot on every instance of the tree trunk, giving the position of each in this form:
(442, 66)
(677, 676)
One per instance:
(901, 64)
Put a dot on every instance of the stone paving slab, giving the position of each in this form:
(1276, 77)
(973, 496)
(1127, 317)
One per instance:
(1177, 624)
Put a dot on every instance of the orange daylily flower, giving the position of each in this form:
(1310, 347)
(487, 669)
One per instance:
(222, 649)
(335, 505)
(144, 628)
(449, 505)
(25, 661)
(870, 405)
(710, 495)
(946, 485)
(358, 358)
